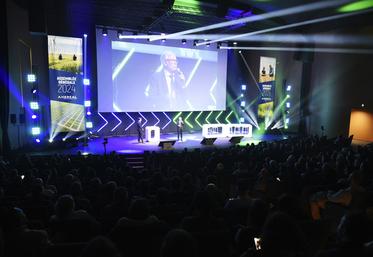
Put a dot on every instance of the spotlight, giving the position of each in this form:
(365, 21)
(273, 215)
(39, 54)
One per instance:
(50, 140)
(287, 121)
(195, 42)
(89, 113)
(234, 43)
(362, 105)
(243, 87)
(34, 116)
(208, 45)
(34, 90)
(242, 119)
(218, 45)
(35, 131)
(104, 32)
(288, 88)
(89, 124)
(85, 35)
(37, 140)
(86, 82)
(243, 103)
(31, 78)
(64, 139)
(87, 103)
(287, 96)
(241, 95)
(288, 105)
(239, 51)
(119, 33)
(34, 105)
(183, 41)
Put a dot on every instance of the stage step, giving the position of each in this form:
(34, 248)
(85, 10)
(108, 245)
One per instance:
(136, 162)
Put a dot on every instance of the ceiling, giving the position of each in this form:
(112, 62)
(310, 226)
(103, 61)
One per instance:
(169, 16)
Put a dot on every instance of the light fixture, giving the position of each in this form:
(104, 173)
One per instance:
(243, 87)
(87, 103)
(89, 124)
(183, 41)
(288, 88)
(195, 42)
(86, 82)
(34, 116)
(119, 33)
(104, 32)
(34, 105)
(35, 131)
(31, 78)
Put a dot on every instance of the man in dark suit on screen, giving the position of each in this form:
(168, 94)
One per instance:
(165, 89)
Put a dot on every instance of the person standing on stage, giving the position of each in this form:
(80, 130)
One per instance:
(139, 130)
(180, 126)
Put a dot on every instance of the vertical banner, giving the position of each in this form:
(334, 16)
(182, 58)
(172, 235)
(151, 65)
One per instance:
(267, 77)
(66, 84)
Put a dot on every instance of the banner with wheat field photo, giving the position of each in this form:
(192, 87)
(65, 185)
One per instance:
(66, 84)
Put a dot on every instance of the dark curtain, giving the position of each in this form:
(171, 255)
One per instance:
(4, 81)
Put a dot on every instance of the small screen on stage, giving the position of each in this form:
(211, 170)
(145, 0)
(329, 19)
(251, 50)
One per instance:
(139, 76)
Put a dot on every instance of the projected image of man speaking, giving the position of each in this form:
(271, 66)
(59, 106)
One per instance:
(167, 86)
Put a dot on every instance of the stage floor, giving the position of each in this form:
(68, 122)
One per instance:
(129, 144)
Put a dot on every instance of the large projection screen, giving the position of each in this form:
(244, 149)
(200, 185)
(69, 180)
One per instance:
(139, 76)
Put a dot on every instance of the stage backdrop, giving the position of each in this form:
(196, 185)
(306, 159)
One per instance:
(267, 77)
(66, 84)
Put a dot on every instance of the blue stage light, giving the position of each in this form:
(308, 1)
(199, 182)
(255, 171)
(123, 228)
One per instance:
(37, 140)
(243, 87)
(87, 103)
(89, 113)
(34, 116)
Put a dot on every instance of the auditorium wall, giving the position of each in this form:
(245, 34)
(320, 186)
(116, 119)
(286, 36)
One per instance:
(339, 83)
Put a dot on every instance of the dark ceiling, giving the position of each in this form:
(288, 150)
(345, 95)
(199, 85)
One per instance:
(170, 16)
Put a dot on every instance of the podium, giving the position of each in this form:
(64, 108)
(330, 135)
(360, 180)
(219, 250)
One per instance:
(152, 134)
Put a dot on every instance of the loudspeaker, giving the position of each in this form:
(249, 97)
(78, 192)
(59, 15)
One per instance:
(167, 144)
(13, 118)
(235, 140)
(208, 141)
(36, 17)
(22, 118)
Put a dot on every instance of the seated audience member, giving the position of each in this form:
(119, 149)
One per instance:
(69, 225)
(178, 243)
(100, 247)
(354, 231)
(280, 237)
(19, 240)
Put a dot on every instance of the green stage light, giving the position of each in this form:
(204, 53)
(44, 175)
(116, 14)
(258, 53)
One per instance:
(217, 117)
(196, 119)
(207, 118)
(227, 118)
(192, 7)
(356, 6)
(186, 120)
(176, 116)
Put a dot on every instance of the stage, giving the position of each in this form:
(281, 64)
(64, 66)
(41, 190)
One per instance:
(129, 144)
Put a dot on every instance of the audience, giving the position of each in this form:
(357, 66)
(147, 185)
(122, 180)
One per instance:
(306, 196)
